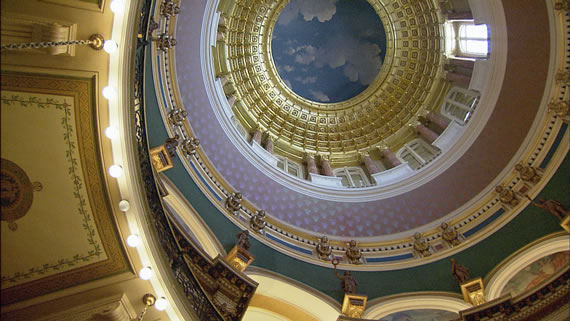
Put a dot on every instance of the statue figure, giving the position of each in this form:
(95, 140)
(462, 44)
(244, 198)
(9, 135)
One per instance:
(459, 272)
(553, 206)
(347, 282)
(528, 173)
(177, 116)
(189, 146)
(257, 221)
(506, 196)
(233, 202)
(449, 234)
(171, 144)
(421, 245)
(243, 239)
(169, 8)
(560, 108)
(165, 41)
(353, 253)
(324, 249)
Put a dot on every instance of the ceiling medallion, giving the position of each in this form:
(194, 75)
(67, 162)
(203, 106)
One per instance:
(322, 55)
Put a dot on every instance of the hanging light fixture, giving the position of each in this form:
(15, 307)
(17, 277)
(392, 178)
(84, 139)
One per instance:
(96, 42)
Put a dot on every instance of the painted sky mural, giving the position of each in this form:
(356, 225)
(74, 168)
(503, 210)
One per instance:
(328, 50)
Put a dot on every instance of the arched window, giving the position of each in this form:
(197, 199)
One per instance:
(289, 166)
(459, 104)
(352, 176)
(241, 130)
(465, 39)
(474, 39)
(417, 153)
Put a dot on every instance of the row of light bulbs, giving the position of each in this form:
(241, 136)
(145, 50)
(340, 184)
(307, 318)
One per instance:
(110, 93)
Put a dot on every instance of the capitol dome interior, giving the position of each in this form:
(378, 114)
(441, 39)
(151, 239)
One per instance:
(285, 160)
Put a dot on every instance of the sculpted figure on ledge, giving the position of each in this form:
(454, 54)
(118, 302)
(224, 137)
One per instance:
(257, 221)
(347, 282)
(459, 272)
(233, 202)
(243, 239)
(353, 253)
(554, 207)
(449, 234)
(324, 250)
(421, 245)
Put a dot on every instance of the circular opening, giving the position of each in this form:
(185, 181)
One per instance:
(328, 51)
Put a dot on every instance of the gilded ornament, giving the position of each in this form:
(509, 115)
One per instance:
(190, 145)
(562, 5)
(257, 221)
(421, 245)
(164, 41)
(324, 249)
(528, 173)
(233, 202)
(449, 234)
(177, 116)
(562, 77)
(560, 108)
(353, 253)
(17, 192)
(266, 98)
(168, 8)
(506, 196)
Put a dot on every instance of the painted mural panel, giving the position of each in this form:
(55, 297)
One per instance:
(51, 181)
(328, 51)
(421, 315)
(536, 273)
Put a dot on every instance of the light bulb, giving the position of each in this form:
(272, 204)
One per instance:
(145, 273)
(109, 92)
(160, 304)
(110, 46)
(124, 205)
(115, 171)
(116, 6)
(133, 240)
(111, 132)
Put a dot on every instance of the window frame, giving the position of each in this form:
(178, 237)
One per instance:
(417, 157)
(289, 163)
(450, 100)
(454, 40)
(346, 171)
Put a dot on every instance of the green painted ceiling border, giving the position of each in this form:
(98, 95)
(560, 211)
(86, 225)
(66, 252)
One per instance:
(530, 225)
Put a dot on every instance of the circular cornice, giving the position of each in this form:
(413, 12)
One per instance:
(467, 218)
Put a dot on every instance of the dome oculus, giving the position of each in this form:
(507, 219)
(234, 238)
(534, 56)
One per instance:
(328, 51)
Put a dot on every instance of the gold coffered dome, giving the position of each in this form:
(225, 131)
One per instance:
(407, 85)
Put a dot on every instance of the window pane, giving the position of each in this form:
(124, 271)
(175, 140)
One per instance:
(478, 47)
(464, 99)
(412, 161)
(357, 179)
(281, 164)
(424, 152)
(469, 31)
(456, 112)
(292, 169)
